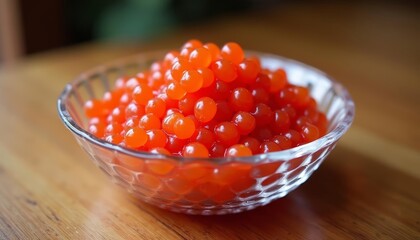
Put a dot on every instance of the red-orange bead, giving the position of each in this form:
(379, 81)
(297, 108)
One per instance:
(195, 149)
(252, 143)
(263, 114)
(227, 133)
(94, 108)
(281, 121)
(214, 50)
(184, 54)
(262, 133)
(241, 100)
(160, 150)
(178, 68)
(262, 81)
(118, 115)
(285, 97)
(312, 104)
(187, 104)
(219, 90)
(175, 91)
(197, 123)
(156, 80)
(224, 70)
(200, 57)
(113, 129)
(294, 136)
(245, 122)
(311, 113)
(170, 103)
(157, 106)
(115, 139)
(131, 122)
(322, 124)
(256, 60)
(301, 122)
(205, 109)
(248, 71)
(112, 99)
(204, 136)
(217, 150)
(167, 78)
(260, 95)
(290, 111)
(149, 121)
(140, 78)
(133, 82)
(184, 127)
(191, 81)
(309, 132)
(282, 141)
(208, 76)
(302, 96)
(120, 83)
(135, 137)
(125, 99)
(156, 138)
(278, 80)
(269, 146)
(169, 121)
(233, 52)
(171, 111)
(97, 127)
(134, 110)
(193, 43)
(156, 66)
(294, 95)
(175, 145)
(170, 58)
(224, 112)
(238, 150)
(142, 93)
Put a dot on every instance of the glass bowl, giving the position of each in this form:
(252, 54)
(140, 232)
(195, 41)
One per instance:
(207, 186)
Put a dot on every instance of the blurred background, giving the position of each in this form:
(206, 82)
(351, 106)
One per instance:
(28, 27)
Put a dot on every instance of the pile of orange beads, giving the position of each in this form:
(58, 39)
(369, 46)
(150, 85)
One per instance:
(205, 101)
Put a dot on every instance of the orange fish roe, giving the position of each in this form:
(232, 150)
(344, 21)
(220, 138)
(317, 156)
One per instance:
(238, 150)
(207, 101)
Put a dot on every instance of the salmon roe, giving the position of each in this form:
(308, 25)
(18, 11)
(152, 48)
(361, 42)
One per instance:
(207, 101)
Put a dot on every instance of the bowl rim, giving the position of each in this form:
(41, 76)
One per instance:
(332, 136)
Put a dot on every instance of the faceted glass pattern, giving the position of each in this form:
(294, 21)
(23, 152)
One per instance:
(207, 186)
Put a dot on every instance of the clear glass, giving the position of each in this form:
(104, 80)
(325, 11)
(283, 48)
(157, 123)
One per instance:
(207, 186)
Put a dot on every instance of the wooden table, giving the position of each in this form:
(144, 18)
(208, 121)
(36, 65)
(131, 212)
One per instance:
(368, 188)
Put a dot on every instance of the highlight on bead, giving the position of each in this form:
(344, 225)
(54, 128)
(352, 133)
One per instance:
(204, 101)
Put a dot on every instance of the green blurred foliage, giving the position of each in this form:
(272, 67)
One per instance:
(139, 19)
(121, 20)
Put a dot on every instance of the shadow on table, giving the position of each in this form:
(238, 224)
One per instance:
(299, 212)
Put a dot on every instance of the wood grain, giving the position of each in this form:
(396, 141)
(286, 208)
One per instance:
(366, 189)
